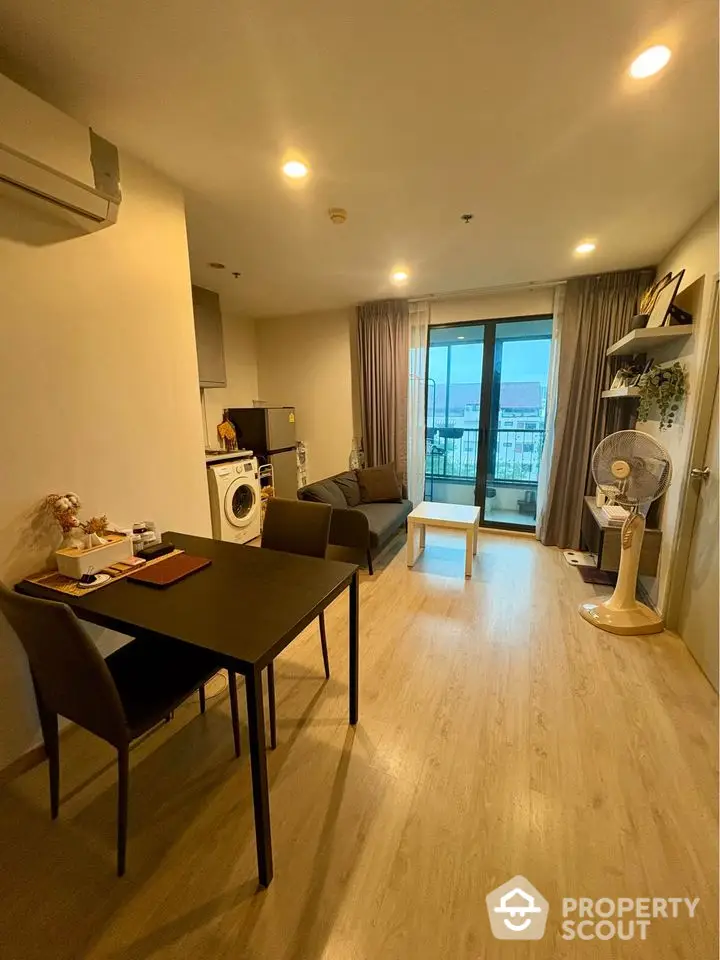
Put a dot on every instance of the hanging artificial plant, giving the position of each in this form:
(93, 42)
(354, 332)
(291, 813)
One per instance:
(665, 387)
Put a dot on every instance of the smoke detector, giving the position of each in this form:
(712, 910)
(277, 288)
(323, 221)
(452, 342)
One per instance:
(337, 214)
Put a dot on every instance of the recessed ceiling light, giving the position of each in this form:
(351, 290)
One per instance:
(295, 169)
(585, 247)
(461, 338)
(399, 276)
(650, 61)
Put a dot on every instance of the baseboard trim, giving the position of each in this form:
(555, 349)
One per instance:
(35, 756)
(27, 761)
(644, 597)
(504, 532)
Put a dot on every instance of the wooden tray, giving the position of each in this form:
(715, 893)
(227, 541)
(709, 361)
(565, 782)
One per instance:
(66, 585)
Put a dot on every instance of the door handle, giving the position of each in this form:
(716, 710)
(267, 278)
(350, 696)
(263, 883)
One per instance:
(700, 473)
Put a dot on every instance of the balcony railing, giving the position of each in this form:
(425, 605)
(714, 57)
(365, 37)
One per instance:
(452, 452)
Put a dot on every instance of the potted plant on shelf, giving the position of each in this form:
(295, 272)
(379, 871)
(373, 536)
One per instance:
(664, 387)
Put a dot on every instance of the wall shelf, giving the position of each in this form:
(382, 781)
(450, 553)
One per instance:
(641, 341)
(620, 392)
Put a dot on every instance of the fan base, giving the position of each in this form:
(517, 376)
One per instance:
(629, 622)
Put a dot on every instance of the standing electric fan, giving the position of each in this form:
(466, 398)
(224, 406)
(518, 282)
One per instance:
(632, 469)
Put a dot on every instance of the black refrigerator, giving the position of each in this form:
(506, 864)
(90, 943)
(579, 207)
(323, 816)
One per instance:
(270, 433)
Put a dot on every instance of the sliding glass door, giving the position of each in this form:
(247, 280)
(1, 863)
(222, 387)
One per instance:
(486, 410)
(455, 370)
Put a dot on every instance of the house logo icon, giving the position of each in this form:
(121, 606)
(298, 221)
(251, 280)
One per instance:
(517, 911)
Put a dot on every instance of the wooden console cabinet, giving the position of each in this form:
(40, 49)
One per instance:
(602, 539)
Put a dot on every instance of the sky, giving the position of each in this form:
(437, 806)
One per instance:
(523, 361)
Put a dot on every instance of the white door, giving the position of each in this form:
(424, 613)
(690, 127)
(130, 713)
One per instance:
(698, 622)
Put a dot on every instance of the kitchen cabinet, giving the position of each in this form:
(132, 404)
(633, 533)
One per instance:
(209, 338)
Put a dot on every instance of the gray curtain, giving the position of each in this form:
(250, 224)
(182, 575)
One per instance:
(598, 311)
(383, 344)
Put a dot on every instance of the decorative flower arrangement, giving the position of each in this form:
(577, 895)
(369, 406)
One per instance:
(95, 529)
(665, 387)
(64, 508)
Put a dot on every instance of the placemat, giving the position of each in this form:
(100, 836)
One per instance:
(176, 569)
(56, 581)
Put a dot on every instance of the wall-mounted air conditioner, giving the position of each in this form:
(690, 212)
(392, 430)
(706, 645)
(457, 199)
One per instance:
(54, 162)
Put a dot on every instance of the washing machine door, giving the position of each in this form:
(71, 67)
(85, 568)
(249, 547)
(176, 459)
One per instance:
(241, 502)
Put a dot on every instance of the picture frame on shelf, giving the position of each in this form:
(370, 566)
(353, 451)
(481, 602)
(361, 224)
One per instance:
(626, 375)
(660, 313)
(646, 369)
(677, 317)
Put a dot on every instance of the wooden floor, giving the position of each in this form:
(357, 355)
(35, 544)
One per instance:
(499, 734)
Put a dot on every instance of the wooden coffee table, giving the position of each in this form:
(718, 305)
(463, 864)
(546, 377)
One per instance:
(452, 515)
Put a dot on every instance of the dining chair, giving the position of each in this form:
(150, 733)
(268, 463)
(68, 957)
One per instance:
(118, 698)
(300, 527)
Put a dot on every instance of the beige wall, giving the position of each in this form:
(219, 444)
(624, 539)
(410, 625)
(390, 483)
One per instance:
(697, 254)
(241, 372)
(98, 390)
(310, 361)
(493, 306)
(305, 361)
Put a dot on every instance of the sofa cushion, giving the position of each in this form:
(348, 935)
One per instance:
(325, 491)
(348, 483)
(384, 519)
(379, 484)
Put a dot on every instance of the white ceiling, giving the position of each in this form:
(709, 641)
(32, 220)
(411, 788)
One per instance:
(410, 113)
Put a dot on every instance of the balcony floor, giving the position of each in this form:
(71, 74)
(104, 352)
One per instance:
(502, 508)
(510, 516)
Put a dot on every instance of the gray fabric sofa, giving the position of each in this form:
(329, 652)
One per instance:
(358, 531)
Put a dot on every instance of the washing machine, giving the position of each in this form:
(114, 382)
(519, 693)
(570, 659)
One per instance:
(235, 500)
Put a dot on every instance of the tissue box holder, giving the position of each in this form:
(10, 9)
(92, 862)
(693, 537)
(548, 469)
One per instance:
(74, 563)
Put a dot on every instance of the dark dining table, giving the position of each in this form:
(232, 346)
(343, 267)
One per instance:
(247, 606)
